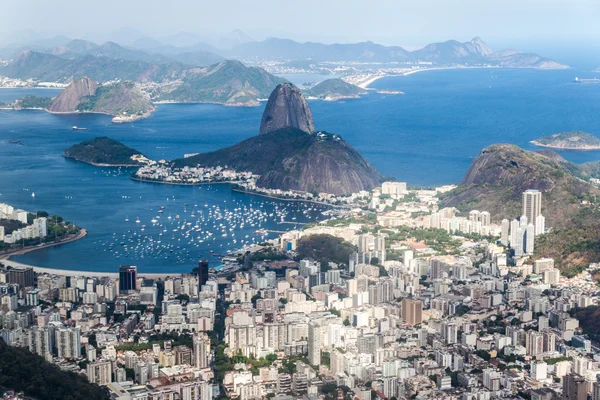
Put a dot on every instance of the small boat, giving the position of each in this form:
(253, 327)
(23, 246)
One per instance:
(32, 194)
(137, 221)
(15, 141)
(76, 128)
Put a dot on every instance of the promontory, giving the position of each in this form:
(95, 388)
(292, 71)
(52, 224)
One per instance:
(105, 152)
(569, 141)
(289, 154)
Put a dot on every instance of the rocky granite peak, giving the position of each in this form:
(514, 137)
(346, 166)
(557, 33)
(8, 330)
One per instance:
(69, 99)
(286, 108)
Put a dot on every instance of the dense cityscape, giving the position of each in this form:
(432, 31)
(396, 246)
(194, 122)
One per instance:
(399, 300)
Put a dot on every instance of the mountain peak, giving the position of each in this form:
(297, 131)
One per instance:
(481, 47)
(286, 108)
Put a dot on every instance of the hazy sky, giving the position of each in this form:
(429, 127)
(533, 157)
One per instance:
(410, 23)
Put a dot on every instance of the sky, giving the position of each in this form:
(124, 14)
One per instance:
(409, 23)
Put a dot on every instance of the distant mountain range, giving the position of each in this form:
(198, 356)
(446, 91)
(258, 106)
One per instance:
(452, 52)
(193, 49)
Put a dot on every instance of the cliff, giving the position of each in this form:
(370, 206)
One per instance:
(288, 154)
(103, 151)
(69, 99)
(124, 100)
(286, 108)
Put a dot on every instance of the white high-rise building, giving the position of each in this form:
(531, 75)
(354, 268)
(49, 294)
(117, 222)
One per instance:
(540, 225)
(314, 343)
(68, 342)
(529, 239)
(100, 372)
(523, 221)
(532, 204)
(393, 188)
(505, 232)
(514, 225)
(201, 351)
(519, 246)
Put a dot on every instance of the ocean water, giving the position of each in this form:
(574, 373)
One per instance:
(428, 136)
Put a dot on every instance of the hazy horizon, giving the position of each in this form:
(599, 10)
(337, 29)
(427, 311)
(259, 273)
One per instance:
(411, 24)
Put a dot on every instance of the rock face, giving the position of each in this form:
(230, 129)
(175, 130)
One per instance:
(69, 99)
(286, 108)
(289, 155)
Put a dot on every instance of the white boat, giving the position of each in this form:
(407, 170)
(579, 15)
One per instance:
(137, 221)
(33, 194)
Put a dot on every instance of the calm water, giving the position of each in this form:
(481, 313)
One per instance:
(428, 136)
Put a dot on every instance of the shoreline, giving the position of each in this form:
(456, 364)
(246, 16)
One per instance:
(284, 199)
(179, 184)
(19, 252)
(364, 85)
(549, 146)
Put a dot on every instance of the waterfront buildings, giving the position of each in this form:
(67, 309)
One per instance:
(127, 278)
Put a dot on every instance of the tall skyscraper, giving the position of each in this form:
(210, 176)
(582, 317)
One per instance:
(314, 343)
(529, 239)
(202, 274)
(24, 277)
(201, 351)
(519, 245)
(412, 311)
(505, 232)
(68, 343)
(514, 225)
(540, 225)
(532, 204)
(127, 279)
(574, 387)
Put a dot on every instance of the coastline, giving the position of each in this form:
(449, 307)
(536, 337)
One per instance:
(178, 183)
(19, 252)
(549, 146)
(284, 199)
(368, 82)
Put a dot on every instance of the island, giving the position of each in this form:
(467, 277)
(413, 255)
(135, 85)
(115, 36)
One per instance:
(106, 152)
(334, 89)
(576, 140)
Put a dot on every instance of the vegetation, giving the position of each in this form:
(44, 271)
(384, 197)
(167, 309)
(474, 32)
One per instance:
(118, 98)
(21, 370)
(290, 159)
(102, 150)
(33, 102)
(589, 321)
(228, 82)
(334, 88)
(569, 140)
(325, 249)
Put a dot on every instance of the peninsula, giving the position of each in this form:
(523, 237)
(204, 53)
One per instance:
(123, 100)
(576, 140)
(290, 155)
(106, 152)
